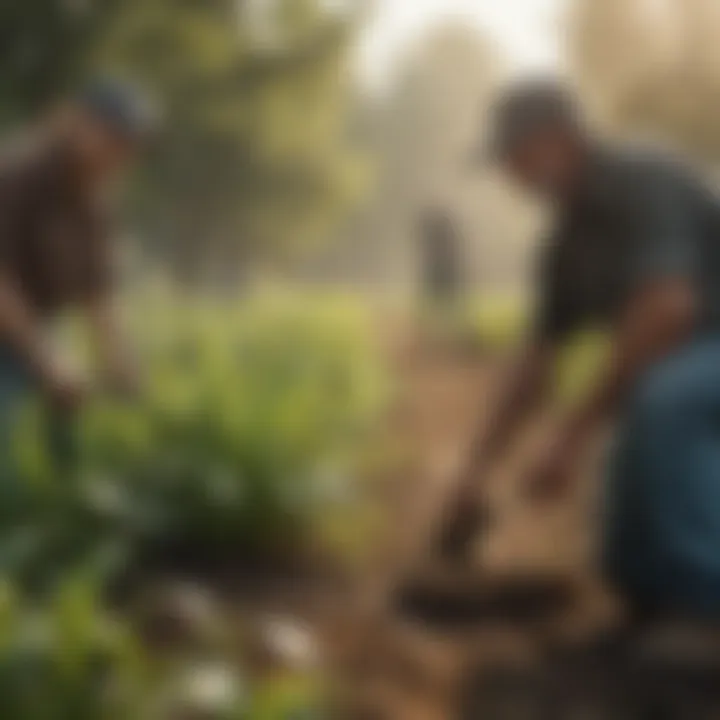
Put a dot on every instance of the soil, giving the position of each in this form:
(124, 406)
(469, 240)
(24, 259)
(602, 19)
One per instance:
(423, 630)
(523, 630)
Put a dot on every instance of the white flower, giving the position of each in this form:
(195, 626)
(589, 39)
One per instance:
(291, 642)
(211, 688)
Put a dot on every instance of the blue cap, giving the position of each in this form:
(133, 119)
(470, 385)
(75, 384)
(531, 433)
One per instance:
(122, 106)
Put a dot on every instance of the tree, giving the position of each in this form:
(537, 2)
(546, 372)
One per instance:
(44, 49)
(425, 132)
(255, 156)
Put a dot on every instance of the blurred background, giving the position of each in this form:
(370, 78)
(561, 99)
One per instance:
(321, 292)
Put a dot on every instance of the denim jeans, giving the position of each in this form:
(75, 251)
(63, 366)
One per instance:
(662, 527)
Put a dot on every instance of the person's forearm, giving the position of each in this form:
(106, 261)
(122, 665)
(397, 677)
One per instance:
(656, 322)
(518, 395)
(521, 392)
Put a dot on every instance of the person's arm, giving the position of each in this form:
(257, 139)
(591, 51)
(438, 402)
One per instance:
(520, 393)
(116, 368)
(659, 317)
(659, 314)
(19, 327)
(114, 363)
(522, 390)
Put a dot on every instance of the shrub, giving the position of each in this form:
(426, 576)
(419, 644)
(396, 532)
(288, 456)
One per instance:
(253, 418)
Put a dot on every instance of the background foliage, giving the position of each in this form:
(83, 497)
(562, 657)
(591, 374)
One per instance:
(255, 156)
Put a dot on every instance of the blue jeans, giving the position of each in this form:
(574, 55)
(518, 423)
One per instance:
(662, 529)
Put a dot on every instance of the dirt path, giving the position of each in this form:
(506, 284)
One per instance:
(514, 660)
(405, 670)
(401, 671)
(387, 664)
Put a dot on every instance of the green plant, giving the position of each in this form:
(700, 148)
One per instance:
(66, 658)
(253, 419)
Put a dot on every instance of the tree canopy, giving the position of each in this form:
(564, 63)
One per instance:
(255, 156)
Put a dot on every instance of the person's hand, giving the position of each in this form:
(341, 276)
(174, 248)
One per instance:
(554, 471)
(466, 517)
(65, 391)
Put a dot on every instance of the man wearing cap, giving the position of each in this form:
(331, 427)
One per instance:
(54, 253)
(635, 248)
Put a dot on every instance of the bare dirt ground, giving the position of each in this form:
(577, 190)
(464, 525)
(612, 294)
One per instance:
(401, 668)
(484, 654)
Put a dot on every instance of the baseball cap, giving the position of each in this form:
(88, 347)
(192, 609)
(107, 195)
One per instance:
(523, 109)
(122, 106)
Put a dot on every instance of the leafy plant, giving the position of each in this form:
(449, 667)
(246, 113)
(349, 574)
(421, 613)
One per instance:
(251, 419)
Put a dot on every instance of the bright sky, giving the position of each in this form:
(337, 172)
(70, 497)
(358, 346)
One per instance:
(526, 30)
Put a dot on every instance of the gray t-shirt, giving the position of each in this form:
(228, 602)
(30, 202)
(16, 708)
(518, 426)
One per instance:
(640, 217)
